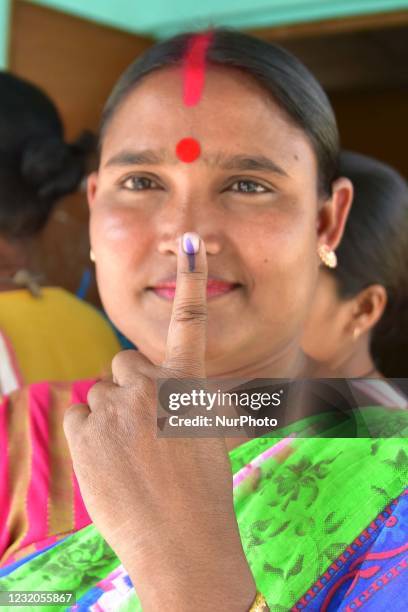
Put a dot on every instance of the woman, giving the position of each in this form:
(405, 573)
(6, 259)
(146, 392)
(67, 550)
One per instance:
(357, 325)
(43, 330)
(230, 143)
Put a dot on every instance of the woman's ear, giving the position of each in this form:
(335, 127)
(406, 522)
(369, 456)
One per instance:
(368, 308)
(91, 188)
(333, 214)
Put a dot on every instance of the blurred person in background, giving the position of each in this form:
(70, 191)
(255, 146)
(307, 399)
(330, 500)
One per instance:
(45, 332)
(358, 323)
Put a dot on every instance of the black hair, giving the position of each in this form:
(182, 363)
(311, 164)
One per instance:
(36, 166)
(374, 250)
(287, 80)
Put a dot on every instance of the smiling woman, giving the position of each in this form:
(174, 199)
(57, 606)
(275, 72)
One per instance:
(259, 190)
(256, 205)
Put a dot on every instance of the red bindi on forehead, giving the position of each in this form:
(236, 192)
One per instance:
(188, 149)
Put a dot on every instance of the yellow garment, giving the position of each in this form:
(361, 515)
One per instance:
(56, 336)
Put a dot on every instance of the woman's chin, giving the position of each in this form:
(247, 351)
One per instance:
(152, 342)
(147, 320)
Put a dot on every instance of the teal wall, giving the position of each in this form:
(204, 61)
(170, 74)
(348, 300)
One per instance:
(164, 17)
(161, 18)
(4, 29)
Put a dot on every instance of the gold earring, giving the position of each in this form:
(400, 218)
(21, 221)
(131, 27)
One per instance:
(356, 333)
(92, 256)
(327, 256)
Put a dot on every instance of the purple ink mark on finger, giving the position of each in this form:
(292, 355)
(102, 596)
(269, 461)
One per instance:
(191, 262)
(190, 254)
(190, 250)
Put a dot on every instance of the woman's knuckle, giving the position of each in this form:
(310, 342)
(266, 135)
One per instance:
(122, 359)
(190, 311)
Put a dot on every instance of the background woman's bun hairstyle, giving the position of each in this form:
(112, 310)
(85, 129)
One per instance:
(54, 167)
(281, 74)
(37, 167)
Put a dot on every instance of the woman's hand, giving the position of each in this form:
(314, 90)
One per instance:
(163, 504)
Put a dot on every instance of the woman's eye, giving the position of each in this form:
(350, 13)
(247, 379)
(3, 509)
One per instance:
(139, 183)
(248, 187)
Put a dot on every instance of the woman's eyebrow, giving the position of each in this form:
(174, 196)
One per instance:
(128, 157)
(249, 162)
(241, 162)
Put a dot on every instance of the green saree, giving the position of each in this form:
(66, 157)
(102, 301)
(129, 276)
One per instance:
(298, 510)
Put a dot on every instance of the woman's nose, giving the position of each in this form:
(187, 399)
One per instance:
(189, 213)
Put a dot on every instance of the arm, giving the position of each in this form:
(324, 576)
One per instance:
(163, 504)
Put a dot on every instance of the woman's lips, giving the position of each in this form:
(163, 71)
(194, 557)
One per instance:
(215, 288)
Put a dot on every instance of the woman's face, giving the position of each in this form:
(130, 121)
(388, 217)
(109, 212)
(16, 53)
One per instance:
(329, 334)
(251, 196)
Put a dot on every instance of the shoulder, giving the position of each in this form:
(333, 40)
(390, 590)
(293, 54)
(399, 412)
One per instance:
(44, 397)
(85, 315)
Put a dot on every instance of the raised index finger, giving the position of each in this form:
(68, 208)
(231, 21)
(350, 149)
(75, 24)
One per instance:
(187, 336)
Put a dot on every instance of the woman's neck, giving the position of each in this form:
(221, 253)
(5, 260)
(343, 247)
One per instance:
(359, 363)
(14, 256)
(289, 362)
